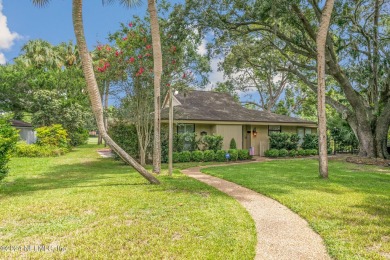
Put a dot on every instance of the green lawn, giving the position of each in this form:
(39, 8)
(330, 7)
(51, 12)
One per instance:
(98, 208)
(351, 210)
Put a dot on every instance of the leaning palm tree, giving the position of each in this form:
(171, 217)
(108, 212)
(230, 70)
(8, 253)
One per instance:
(92, 87)
(157, 62)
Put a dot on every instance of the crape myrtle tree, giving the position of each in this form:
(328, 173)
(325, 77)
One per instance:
(92, 87)
(357, 52)
(133, 55)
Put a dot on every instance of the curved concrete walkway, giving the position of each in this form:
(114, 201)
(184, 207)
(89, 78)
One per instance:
(281, 233)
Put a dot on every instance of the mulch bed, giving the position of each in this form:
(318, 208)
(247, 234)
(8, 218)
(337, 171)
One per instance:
(368, 161)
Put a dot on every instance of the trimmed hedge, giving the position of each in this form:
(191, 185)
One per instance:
(243, 154)
(185, 156)
(272, 153)
(284, 153)
(197, 156)
(208, 155)
(220, 156)
(233, 154)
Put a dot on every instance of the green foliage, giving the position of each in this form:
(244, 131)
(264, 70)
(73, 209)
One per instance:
(54, 135)
(233, 154)
(185, 142)
(293, 153)
(197, 156)
(209, 155)
(283, 153)
(50, 108)
(233, 144)
(125, 135)
(272, 153)
(310, 141)
(301, 152)
(312, 151)
(243, 154)
(175, 157)
(78, 137)
(284, 141)
(8, 138)
(185, 156)
(220, 156)
(33, 150)
(212, 142)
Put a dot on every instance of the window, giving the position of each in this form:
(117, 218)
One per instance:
(302, 132)
(185, 128)
(274, 129)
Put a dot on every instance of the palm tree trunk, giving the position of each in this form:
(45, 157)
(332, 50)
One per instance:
(93, 92)
(157, 62)
(321, 44)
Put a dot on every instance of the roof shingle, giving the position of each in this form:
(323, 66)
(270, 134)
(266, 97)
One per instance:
(215, 106)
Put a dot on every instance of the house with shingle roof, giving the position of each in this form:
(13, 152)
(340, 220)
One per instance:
(208, 112)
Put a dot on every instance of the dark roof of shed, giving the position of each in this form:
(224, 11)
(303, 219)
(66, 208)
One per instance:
(215, 106)
(18, 123)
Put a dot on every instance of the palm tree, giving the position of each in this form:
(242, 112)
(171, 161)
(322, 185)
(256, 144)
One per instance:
(321, 44)
(157, 62)
(40, 54)
(92, 87)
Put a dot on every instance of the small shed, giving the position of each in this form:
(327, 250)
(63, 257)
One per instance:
(26, 131)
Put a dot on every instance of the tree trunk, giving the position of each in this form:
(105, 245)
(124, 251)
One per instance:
(93, 91)
(142, 156)
(170, 134)
(157, 62)
(321, 63)
(106, 94)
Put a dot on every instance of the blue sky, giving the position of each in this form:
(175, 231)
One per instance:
(21, 21)
(53, 22)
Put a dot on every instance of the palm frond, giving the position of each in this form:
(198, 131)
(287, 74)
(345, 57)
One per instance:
(126, 3)
(40, 3)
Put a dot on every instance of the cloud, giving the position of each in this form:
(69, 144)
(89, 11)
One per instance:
(202, 50)
(2, 59)
(7, 37)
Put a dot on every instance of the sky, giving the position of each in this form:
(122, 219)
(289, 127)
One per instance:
(21, 21)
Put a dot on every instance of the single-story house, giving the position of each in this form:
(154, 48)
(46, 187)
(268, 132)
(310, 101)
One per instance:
(208, 112)
(26, 131)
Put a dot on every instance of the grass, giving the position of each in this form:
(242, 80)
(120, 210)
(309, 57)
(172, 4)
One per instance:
(351, 210)
(81, 206)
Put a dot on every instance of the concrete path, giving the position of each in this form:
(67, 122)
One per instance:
(281, 234)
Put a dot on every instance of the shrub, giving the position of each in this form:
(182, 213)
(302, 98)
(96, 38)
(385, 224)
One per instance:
(185, 156)
(220, 156)
(272, 153)
(283, 152)
(175, 157)
(212, 142)
(233, 144)
(278, 140)
(233, 154)
(54, 135)
(79, 137)
(293, 153)
(284, 141)
(185, 142)
(208, 155)
(197, 156)
(8, 138)
(313, 151)
(32, 150)
(307, 152)
(301, 152)
(243, 154)
(310, 141)
(125, 135)
(293, 142)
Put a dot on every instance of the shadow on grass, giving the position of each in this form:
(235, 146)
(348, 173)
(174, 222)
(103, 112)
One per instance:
(97, 173)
